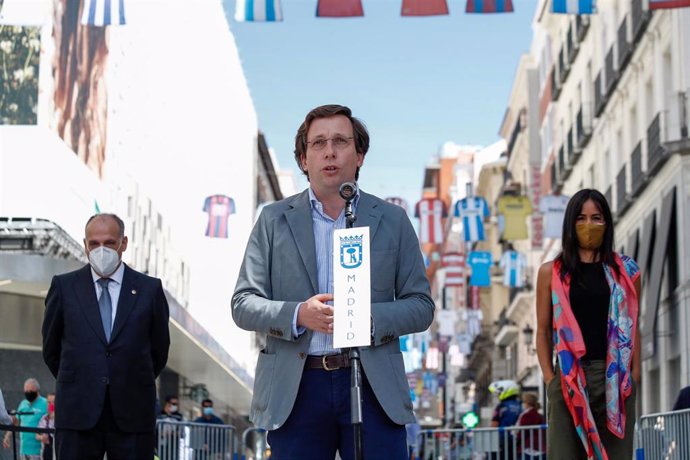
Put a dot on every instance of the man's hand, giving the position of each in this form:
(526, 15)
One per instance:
(6, 441)
(314, 314)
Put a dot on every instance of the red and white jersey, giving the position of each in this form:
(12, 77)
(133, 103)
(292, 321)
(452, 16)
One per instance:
(454, 264)
(431, 212)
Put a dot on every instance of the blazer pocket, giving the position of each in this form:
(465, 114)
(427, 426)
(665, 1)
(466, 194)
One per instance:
(383, 268)
(400, 377)
(263, 380)
(65, 376)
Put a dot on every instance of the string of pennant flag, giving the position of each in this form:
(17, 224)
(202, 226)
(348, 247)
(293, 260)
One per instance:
(271, 11)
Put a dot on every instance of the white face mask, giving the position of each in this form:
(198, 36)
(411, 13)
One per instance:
(104, 260)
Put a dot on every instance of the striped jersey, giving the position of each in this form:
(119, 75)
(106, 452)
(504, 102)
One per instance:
(513, 264)
(103, 13)
(553, 209)
(454, 264)
(219, 208)
(473, 210)
(430, 212)
(258, 11)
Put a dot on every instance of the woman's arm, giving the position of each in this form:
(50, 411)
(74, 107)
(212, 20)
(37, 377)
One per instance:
(544, 322)
(636, 367)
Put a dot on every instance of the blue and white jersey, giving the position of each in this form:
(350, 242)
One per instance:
(473, 211)
(481, 262)
(513, 264)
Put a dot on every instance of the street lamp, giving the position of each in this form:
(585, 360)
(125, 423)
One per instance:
(528, 335)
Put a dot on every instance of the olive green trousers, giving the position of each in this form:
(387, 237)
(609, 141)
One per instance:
(563, 441)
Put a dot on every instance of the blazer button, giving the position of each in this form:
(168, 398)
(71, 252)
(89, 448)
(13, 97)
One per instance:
(105, 380)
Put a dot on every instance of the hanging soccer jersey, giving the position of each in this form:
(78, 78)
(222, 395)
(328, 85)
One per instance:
(513, 264)
(553, 209)
(396, 200)
(515, 210)
(480, 261)
(430, 212)
(473, 211)
(219, 208)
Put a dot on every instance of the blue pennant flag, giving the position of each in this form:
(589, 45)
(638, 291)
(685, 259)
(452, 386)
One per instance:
(573, 6)
(258, 11)
(103, 13)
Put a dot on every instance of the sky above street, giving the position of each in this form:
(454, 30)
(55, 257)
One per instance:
(416, 82)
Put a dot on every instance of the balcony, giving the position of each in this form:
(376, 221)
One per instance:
(573, 46)
(656, 153)
(611, 73)
(564, 167)
(607, 195)
(640, 19)
(624, 46)
(555, 86)
(622, 201)
(638, 178)
(583, 130)
(555, 184)
(563, 65)
(571, 144)
(582, 26)
(599, 96)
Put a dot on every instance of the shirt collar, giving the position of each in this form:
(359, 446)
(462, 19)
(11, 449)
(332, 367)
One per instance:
(116, 277)
(316, 204)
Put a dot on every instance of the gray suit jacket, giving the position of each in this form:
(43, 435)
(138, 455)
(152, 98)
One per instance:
(279, 272)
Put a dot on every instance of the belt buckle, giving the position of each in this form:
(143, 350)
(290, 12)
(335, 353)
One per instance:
(325, 366)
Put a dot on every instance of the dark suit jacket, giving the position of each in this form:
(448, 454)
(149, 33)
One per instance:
(86, 366)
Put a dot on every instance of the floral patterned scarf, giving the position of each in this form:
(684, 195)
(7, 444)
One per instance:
(570, 348)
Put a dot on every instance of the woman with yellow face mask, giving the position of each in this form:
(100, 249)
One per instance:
(587, 312)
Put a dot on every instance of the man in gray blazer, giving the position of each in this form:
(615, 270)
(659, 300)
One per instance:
(285, 289)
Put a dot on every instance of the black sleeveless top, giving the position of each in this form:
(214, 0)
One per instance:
(589, 300)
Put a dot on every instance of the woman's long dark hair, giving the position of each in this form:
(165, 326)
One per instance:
(569, 256)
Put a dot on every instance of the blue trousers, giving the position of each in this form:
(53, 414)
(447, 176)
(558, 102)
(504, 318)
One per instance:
(320, 424)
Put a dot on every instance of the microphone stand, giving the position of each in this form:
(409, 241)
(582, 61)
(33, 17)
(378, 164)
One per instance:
(356, 373)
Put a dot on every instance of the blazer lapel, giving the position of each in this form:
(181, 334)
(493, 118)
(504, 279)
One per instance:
(88, 301)
(300, 222)
(131, 284)
(368, 214)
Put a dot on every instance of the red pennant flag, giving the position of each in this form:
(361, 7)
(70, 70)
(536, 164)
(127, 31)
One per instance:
(339, 8)
(667, 4)
(424, 7)
(489, 6)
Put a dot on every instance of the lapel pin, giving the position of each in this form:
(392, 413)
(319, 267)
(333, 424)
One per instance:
(134, 291)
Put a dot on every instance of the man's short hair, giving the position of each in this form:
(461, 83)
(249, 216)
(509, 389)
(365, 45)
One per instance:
(120, 223)
(207, 401)
(34, 382)
(170, 398)
(359, 131)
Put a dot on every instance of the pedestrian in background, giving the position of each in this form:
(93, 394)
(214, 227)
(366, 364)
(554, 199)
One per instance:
(587, 299)
(105, 339)
(209, 442)
(169, 434)
(531, 443)
(683, 399)
(29, 413)
(47, 421)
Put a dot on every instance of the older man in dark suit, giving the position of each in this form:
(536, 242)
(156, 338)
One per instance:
(105, 339)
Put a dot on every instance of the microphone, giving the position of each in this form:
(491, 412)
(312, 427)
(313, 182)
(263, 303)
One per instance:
(348, 190)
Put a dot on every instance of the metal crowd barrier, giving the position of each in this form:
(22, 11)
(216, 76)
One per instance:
(509, 443)
(194, 441)
(663, 436)
(13, 452)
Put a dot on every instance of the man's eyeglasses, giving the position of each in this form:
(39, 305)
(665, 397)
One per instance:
(339, 142)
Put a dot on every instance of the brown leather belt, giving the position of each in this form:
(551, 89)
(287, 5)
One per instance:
(328, 362)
